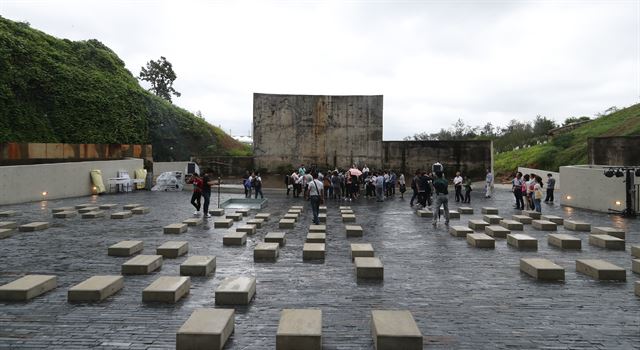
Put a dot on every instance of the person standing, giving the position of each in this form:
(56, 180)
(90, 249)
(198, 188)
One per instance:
(247, 189)
(489, 184)
(207, 181)
(196, 181)
(457, 183)
(467, 190)
(287, 180)
(517, 191)
(301, 170)
(442, 198)
(403, 185)
(551, 185)
(414, 187)
(315, 195)
(379, 183)
(257, 184)
(537, 194)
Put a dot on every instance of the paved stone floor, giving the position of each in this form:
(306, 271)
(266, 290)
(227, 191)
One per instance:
(461, 297)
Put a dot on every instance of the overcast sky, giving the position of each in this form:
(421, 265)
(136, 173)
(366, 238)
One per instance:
(434, 61)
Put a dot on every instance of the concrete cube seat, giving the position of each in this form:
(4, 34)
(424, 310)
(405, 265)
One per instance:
(454, 214)
(234, 216)
(296, 211)
(223, 223)
(8, 213)
(601, 270)
(496, 231)
(175, 229)
(323, 208)
(142, 265)
(6, 232)
(343, 207)
(87, 209)
(564, 241)
(234, 238)
(96, 288)
(459, 231)
(34, 226)
(480, 240)
(65, 214)
(316, 237)
(80, 206)
(27, 287)
(322, 217)
(198, 266)
(348, 218)
(465, 210)
(478, 224)
(216, 212)
(131, 206)
(122, 214)
(167, 289)
(206, 329)
(10, 225)
(607, 242)
(313, 251)
(512, 225)
(522, 241)
(369, 268)
(299, 329)
(532, 214)
(523, 219)
(423, 213)
(141, 210)
(635, 251)
(93, 214)
(256, 222)
(635, 266)
(542, 269)
(236, 290)
(193, 221)
(492, 219)
(173, 249)
(558, 220)
(489, 210)
(263, 216)
(286, 223)
(297, 207)
(276, 237)
(125, 248)
(354, 230)
(361, 250)
(293, 217)
(346, 211)
(544, 225)
(266, 251)
(611, 231)
(575, 225)
(318, 228)
(637, 288)
(60, 209)
(248, 229)
(394, 330)
(243, 212)
(107, 206)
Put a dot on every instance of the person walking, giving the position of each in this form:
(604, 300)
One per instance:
(441, 186)
(207, 181)
(257, 184)
(517, 190)
(457, 184)
(537, 194)
(551, 185)
(196, 181)
(403, 185)
(467, 190)
(316, 196)
(489, 184)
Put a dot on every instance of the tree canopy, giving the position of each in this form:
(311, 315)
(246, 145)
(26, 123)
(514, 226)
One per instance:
(161, 76)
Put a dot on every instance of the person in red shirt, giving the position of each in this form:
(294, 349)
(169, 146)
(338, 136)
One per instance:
(197, 192)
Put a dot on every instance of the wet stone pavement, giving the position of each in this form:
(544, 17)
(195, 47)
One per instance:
(461, 297)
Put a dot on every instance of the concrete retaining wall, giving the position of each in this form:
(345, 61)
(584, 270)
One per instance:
(25, 183)
(619, 150)
(586, 187)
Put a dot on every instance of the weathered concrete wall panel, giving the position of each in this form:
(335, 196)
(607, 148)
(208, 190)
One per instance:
(620, 150)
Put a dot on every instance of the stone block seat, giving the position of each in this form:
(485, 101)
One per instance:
(290, 216)
(322, 217)
(522, 241)
(348, 218)
(532, 214)
(286, 223)
(480, 240)
(478, 225)
(512, 225)
(635, 266)
(454, 214)
(558, 220)
(346, 211)
(65, 214)
(361, 250)
(256, 222)
(423, 213)
(6, 232)
(234, 216)
(222, 223)
(544, 225)
(243, 212)
(248, 229)
(125, 248)
(492, 218)
(313, 251)
(318, 228)
(34, 226)
(216, 212)
(354, 230)
(95, 289)
(10, 225)
(175, 228)
(601, 270)
(131, 206)
(575, 225)
(193, 221)
(206, 329)
(107, 206)
(607, 242)
(61, 209)
(489, 210)
(316, 237)
(564, 241)
(465, 210)
(611, 231)
(300, 207)
(276, 237)
(342, 207)
(637, 288)
(141, 210)
(80, 206)
(234, 238)
(167, 289)
(323, 208)
(635, 251)
(198, 265)
(93, 214)
(173, 249)
(459, 231)
(87, 209)
(122, 214)
(496, 231)
(266, 251)
(299, 329)
(235, 290)
(27, 287)
(523, 219)
(142, 265)
(395, 329)
(369, 268)
(263, 216)
(542, 269)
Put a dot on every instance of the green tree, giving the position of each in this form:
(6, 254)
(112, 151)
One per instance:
(161, 76)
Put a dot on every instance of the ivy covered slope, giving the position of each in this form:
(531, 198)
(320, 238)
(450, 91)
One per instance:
(571, 147)
(57, 90)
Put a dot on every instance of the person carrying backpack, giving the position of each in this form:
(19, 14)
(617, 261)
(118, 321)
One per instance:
(257, 184)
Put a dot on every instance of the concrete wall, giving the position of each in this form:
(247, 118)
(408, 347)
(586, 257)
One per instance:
(586, 187)
(25, 183)
(620, 150)
(470, 157)
(543, 174)
(227, 166)
(310, 129)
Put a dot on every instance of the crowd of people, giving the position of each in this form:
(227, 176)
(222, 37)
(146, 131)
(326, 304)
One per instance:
(528, 191)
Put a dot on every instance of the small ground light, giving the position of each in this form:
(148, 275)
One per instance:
(618, 203)
(45, 193)
(569, 197)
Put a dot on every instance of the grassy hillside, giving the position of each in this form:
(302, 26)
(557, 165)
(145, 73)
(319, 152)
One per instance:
(57, 90)
(571, 147)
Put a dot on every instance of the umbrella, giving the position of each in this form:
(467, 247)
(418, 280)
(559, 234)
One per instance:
(355, 172)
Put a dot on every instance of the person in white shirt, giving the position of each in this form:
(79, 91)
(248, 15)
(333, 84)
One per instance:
(457, 184)
(294, 181)
(489, 184)
(316, 195)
